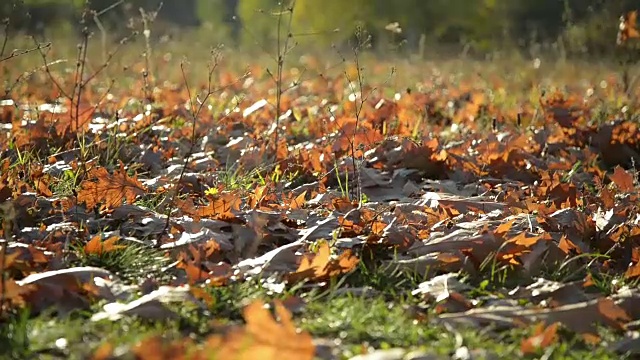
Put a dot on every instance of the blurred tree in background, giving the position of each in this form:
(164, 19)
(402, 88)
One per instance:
(577, 26)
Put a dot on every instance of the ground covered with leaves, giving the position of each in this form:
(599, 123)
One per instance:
(369, 210)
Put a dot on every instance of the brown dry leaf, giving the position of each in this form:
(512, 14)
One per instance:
(299, 201)
(67, 289)
(214, 275)
(281, 259)
(9, 259)
(608, 198)
(453, 302)
(42, 186)
(588, 281)
(195, 273)
(553, 293)
(542, 338)
(568, 247)
(426, 266)
(5, 192)
(96, 246)
(204, 296)
(14, 292)
(220, 208)
(581, 317)
(504, 228)
(455, 207)
(343, 205)
(263, 337)
(256, 197)
(322, 267)
(622, 178)
(223, 206)
(157, 348)
(628, 28)
(110, 190)
(211, 247)
(633, 272)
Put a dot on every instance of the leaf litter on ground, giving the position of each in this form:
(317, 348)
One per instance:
(522, 228)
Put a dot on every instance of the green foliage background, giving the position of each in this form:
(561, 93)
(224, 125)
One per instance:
(483, 25)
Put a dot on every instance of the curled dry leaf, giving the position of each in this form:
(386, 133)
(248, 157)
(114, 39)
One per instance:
(67, 289)
(429, 265)
(149, 306)
(633, 272)
(440, 286)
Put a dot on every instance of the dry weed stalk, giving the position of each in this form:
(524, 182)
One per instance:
(147, 20)
(195, 114)
(283, 50)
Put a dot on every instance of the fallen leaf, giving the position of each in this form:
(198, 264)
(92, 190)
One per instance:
(622, 178)
(541, 339)
(322, 267)
(110, 190)
(263, 337)
(96, 246)
(149, 306)
(580, 317)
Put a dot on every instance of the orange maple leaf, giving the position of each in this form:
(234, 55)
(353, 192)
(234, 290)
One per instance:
(98, 247)
(263, 337)
(110, 190)
(322, 267)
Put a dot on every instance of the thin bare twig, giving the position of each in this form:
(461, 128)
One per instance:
(79, 79)
(47, 69)
(147, 19)
(356, 168)
(195, 114)
(109, 8)
(283, 50)
(26, 75)
(20, 52)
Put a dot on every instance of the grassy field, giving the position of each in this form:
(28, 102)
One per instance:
(164, 201)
